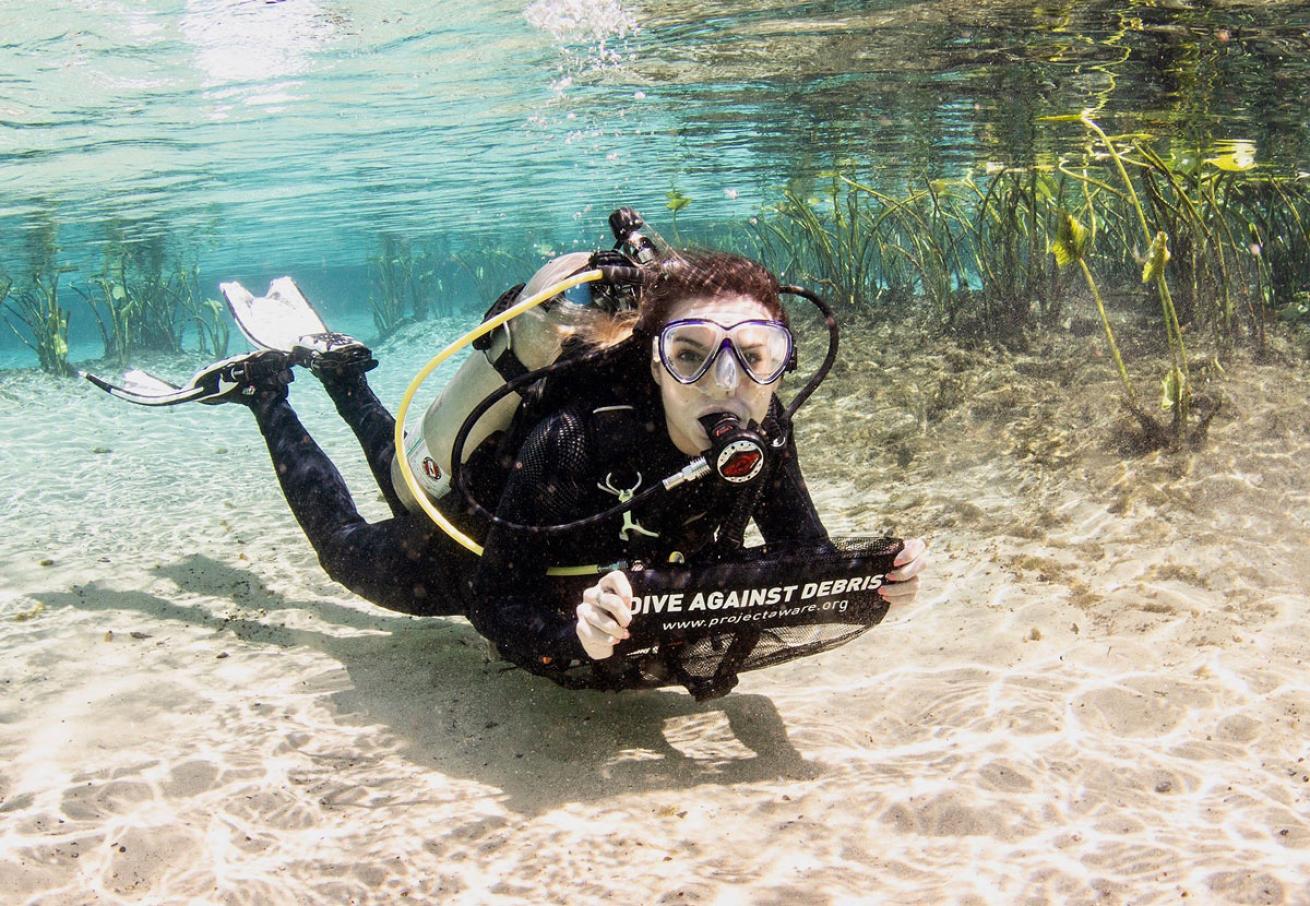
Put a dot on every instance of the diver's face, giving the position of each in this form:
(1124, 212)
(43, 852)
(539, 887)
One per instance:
(725, 387)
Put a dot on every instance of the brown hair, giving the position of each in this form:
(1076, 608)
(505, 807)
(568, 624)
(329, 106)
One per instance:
(685, 274)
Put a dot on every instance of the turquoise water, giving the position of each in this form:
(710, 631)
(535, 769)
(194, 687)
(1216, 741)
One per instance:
(258, 138)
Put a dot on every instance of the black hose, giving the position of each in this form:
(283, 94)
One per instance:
(830, 320)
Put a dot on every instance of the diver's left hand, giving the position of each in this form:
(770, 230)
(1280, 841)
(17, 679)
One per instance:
(902, 583)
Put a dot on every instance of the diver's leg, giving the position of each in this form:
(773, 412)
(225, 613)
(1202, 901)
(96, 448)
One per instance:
(398, 564)
(374, 428)
(284, 320)
(340, 363)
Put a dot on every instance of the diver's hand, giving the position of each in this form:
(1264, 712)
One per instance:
(604, 615)
(902, 583)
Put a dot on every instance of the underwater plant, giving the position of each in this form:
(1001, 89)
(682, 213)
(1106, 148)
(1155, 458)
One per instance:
(403, 279)
(35, 304)
(142, 302)
(1070, 247)
(1176, 384)
(1015, 210)
(853, 242)
(209, 316)
(39, 310)
(494, 270)
(1275, 211)
(152, 294)
(117, 310)
(675, 201)
(1216, 244)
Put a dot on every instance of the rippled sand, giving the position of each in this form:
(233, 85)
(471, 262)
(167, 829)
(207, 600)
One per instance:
(1098, 698)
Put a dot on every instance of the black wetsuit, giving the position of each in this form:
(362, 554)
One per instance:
(407, 564)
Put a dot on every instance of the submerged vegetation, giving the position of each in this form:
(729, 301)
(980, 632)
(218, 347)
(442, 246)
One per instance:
(1218, 245)
(43, 319)
(1200, 249)
(416, 279)
(403, 282)
(143, 301)
(34, 310)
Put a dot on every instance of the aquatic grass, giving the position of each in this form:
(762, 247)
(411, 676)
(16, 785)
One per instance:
(398, 287)
(151, 291)
(43, 317)
(213, 331)
(415, 279)
(973, 255)
(114, 314)
(1176, 390)
(835, 253)
(143, 301)
(209, 316)
(973, 250)
(1007, 226)
(32, 308)
(493, 270)
(1187, 208)
(1216, 244)
(1070, 246)
(1276, 212)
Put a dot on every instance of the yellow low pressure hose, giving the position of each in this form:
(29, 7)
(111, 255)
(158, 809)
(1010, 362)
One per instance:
(407, 400)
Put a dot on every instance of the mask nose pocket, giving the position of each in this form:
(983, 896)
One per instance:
(727, 374)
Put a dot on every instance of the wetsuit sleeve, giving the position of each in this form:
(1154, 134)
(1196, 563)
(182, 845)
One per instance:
(511, 601)
(785, 511)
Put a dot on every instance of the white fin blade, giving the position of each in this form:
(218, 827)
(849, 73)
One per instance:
(276, 320)
(145, 389)
(239, 300)
(143, 383)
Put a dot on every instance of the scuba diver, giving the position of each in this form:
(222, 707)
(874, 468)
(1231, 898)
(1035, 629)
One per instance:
(580, 431)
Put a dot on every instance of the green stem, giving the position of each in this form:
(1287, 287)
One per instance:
(1109, 336)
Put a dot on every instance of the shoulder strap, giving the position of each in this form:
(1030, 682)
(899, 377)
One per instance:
(502, 303)
(507, 364)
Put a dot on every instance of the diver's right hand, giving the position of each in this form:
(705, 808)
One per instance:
(604, 615)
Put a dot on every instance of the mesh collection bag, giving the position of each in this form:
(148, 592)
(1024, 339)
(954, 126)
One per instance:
(700, 626)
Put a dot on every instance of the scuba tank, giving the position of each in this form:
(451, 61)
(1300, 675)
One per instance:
(529, 342)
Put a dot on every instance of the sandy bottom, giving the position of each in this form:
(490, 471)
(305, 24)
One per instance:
(1099, 696)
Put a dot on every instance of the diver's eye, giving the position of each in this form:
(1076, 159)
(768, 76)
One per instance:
(688, 357)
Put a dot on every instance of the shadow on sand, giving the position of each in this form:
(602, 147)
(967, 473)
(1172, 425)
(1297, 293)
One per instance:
(430, 682)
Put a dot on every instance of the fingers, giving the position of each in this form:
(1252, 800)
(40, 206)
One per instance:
(604, 615)
(902, 583)
(909, 562)
(608, 607)
(911, 549)
(899, 593)
(597, 631)
(617, 583)
(597, 644)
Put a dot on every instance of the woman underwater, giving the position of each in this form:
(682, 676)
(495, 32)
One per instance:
(707, 339)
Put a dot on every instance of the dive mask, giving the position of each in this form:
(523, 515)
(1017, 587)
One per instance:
(690, 346)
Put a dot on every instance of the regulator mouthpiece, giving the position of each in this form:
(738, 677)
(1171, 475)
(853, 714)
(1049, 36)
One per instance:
(737, 452)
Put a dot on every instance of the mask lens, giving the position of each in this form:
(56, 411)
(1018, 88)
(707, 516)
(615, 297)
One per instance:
(688, 347)
(763, 347)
